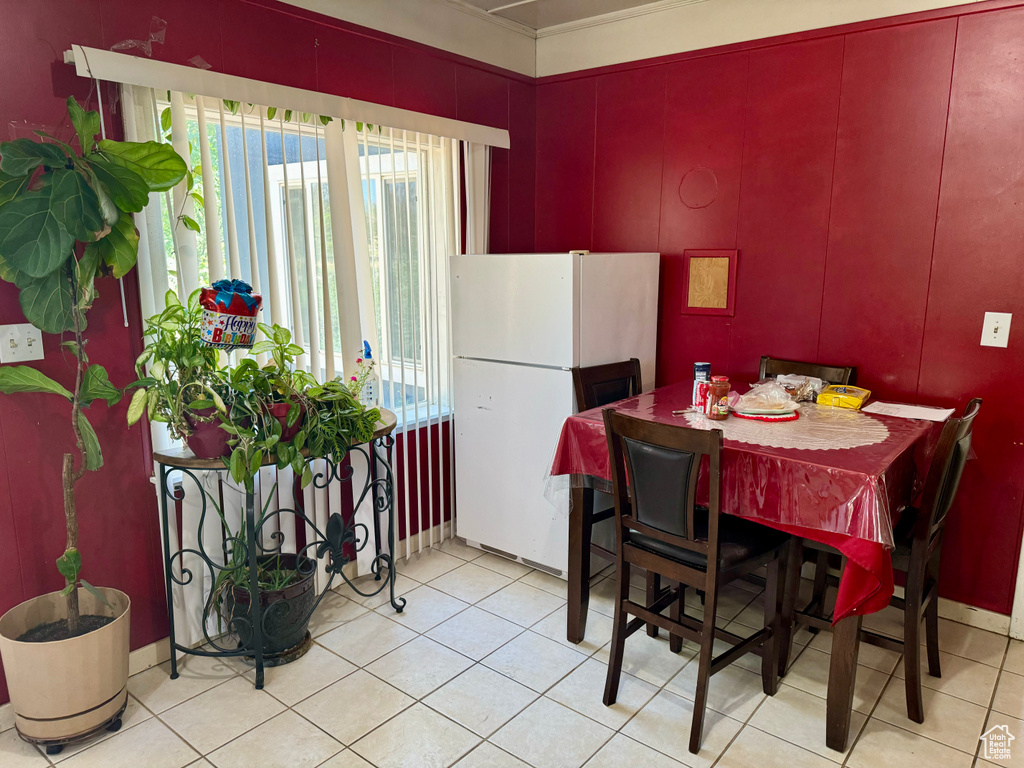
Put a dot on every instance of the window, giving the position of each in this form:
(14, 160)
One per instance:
(284, 245)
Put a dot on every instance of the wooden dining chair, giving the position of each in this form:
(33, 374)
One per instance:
(833, 374)
(598, 385)
(595, 386)
(661, 529)
(917, 552)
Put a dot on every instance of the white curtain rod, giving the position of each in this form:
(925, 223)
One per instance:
(135, 70)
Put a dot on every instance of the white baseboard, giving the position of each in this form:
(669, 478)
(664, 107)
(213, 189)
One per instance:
(974, 617)
(157, 653)
(439, 533)
(148, 656)
(954, 611)
(969, 615)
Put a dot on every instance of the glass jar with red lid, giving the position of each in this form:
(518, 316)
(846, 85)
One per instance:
(717, 404)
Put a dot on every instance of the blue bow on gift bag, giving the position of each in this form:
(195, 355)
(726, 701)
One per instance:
(226, 289)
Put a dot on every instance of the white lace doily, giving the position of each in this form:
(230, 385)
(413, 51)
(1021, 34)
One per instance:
(817, 429)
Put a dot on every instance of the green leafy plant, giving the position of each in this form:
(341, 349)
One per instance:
(255, 391)
(255, 434)
(272, 573)
(64, 221)
(335, 419)
(287, 381)
(329, 416)
(181, 379)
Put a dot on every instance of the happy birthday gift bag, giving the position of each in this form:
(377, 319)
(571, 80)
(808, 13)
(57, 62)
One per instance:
(229, 314)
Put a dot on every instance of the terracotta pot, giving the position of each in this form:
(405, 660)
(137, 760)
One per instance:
(208, 440)
(66, 690)
(280, 412)
(285, 611)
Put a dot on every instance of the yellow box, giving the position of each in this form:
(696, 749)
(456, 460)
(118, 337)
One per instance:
(844, 396)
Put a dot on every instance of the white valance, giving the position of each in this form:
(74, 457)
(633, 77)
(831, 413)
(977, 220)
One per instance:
(135, 70)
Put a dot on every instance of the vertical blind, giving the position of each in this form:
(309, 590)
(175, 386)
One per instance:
(346, 230)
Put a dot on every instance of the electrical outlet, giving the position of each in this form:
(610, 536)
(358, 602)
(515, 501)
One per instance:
(996, 330)
(20, 343)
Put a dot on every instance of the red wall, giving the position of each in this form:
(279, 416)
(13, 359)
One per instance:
(120, 534)
(871, 178)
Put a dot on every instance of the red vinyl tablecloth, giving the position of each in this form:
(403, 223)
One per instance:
(846, 497)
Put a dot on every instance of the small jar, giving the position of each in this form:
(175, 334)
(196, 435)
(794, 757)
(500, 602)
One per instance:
(717, 406)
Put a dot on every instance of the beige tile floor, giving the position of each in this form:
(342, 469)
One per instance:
(477, 673)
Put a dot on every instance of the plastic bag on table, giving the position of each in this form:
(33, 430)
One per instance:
(766, 395)
(801, 387)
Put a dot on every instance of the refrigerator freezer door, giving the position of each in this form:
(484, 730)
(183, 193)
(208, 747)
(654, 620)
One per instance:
(518, 308)
(619, 310)
(507, 422)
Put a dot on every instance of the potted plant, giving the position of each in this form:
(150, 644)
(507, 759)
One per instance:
(320, 421)
(264, 415)
(182, 383)
(287, 382)
(65, 220)
(286, 594)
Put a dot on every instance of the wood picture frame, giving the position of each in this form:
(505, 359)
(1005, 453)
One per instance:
(709, 282)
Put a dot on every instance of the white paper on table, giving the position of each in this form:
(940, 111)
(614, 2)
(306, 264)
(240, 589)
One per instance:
(904, 411)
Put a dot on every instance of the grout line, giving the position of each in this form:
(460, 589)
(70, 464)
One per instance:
(991, 703)
(874, 707)
(537, 695)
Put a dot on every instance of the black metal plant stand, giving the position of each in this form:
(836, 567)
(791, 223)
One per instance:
(255, 625)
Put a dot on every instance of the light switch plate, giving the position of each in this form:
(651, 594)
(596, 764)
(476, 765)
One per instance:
(20, 343)
(996, 330)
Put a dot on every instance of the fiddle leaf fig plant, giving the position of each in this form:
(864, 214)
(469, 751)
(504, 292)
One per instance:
(65, 219)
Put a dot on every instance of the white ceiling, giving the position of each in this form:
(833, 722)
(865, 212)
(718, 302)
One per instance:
(549, 37)
(540, 14)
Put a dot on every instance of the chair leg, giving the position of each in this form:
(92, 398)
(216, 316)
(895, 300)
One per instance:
(790, 589)
(912, 660)
(675, 642)
(820, 590)
(581, 516)
(653, 588)
(611, 685)
(931, 634)
(707, 644)
(773, 620)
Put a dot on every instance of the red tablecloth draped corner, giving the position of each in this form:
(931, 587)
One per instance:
(846, 498)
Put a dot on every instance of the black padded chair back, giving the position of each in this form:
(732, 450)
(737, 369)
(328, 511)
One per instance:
(654, 476)
(599, 385)
(833, 374)
(948, 467)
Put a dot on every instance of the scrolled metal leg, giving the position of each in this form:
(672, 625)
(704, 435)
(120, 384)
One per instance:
(168, 566)
(387, 490)
(255, 610)
(376, 517)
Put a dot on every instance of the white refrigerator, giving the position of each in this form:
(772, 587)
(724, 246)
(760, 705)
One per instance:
(520, 322)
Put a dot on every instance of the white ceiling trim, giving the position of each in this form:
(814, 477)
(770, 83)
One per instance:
(683, 27)
(135, 70)
(492, 17)
(614, 16)
(647, 31)
(450, 25)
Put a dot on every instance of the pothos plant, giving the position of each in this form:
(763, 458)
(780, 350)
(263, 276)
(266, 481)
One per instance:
(65, 219)
(185, 383)
(256, 433)
(329, 416)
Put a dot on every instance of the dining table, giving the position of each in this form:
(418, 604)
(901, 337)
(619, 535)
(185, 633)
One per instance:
(833, 475)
